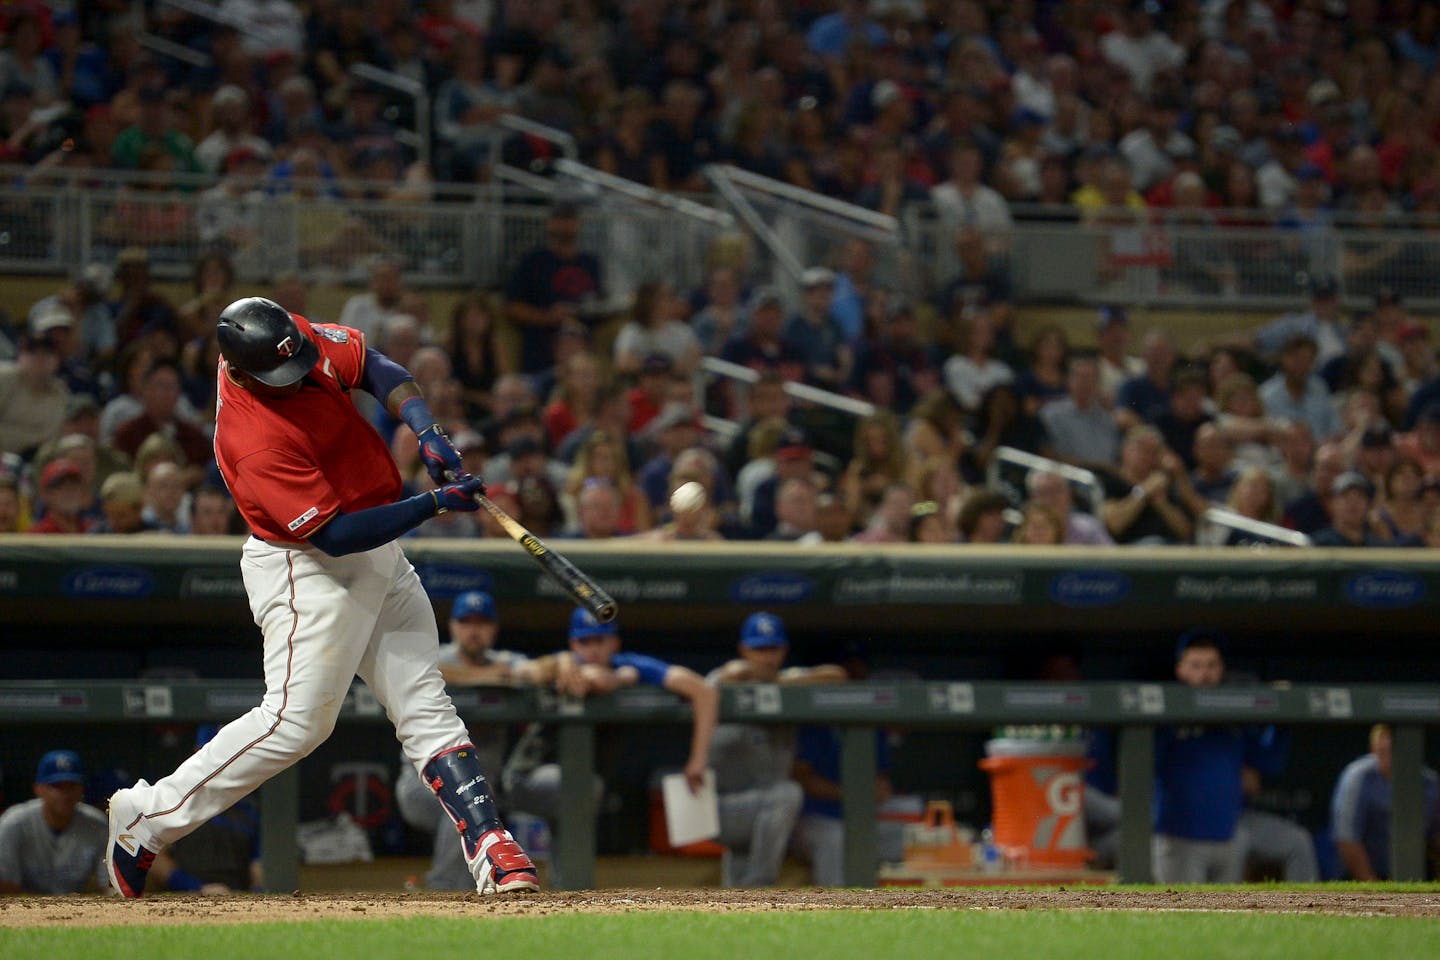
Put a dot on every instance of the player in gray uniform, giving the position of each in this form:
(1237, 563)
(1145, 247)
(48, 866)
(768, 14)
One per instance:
(469, 659)
(759, 803)
(54, 843)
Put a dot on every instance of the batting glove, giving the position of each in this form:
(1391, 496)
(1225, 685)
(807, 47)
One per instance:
(439, 455)
(459, 496)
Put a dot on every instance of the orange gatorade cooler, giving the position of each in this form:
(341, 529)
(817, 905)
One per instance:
(1038, 796)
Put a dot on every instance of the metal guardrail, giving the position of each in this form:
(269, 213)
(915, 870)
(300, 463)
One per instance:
(860, 709)
(1082, 481)
(799, 391)
(800, 228)
(419, 138)
(1217, 522)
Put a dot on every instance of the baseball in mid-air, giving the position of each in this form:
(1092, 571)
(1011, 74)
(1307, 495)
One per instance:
(688, 497)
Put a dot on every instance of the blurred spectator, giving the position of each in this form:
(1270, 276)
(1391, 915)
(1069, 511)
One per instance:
(982, 517)
(230, 112)
(1422, 444)
(140, 308)
(122, 500)
(32, 397)
(601, 457)
(1040, 527)
(1143, 504)
(167, 501)
(1350, 525)
(1320, 324)
(160, 399)
(54, 843)
(1213, 475)
(656, 327)
(1360, 810)
(576, 398)
(474, 349)
(794, 511)
(1295, 393)
(794, 460)
(371, 311)
(84, 297)
(466, 108)
(974, 369)
(1139, 49)
(1400, 514)
(1051, 492)
(1042, 380)
(854, 277)
(1112, 334)
(14, 516)
(929, 524)
(877, 462)
(981, 283)
(56, 325)
(156, 127)
(22, 62)
(890, 520)
(760, 346)
(895, 367)
(963, 201)
(1184, 414)
(1080, 429)
(65, 498)
(675, 430)
(597, 510)
(212, 512)
(549, 285)
(813, 333)
(1003, 422)
(213, 279)
(1143, 398)
(723, 315)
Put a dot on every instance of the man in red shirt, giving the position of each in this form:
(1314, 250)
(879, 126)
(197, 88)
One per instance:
(330, 589)
(62, 487)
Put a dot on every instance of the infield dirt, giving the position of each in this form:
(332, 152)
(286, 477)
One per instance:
(185, 910)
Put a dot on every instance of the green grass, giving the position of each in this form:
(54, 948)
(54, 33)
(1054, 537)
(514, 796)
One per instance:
(837, 935)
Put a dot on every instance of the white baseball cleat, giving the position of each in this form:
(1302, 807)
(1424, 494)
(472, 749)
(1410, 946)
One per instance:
(503, 867)
(127, 861)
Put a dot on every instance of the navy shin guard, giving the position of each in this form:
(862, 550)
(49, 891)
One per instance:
(456, 779)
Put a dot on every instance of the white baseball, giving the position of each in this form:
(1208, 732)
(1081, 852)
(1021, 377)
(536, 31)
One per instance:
(688, 497)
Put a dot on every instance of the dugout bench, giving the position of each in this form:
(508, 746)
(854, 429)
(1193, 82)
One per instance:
(860, 708)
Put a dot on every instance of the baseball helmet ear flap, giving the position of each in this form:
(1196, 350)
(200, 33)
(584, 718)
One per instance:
(260, 337)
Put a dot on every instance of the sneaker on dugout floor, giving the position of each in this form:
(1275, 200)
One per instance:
(127, 862)
(504, 867)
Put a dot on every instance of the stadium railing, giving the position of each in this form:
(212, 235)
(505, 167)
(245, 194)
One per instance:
(1009, 468)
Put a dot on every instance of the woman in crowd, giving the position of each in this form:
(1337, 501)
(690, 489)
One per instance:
(656, 326)
(878, 460)
(474, 351)
(603, 457)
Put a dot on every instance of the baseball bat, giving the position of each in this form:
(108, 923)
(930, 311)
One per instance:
(586, 592)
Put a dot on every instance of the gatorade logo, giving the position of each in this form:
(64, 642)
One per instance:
(1063, 794)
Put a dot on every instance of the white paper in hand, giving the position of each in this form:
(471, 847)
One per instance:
(690, 817)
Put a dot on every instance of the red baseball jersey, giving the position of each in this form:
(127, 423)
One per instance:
(292, 463)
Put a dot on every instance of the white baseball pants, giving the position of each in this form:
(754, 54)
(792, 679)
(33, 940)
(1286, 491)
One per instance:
(324, 620)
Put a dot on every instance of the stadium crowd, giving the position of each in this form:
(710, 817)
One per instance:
(1324, 422)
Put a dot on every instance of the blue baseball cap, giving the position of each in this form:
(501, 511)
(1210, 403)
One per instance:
(762, 631)
(476, 603)
(60, 766)
(583, 626)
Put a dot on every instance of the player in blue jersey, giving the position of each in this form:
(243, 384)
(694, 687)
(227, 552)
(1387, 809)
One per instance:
(595, 664)
(1199, 792)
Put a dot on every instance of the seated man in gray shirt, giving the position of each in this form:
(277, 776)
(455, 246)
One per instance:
(1081, 430)
(759, 803)
(54, 843)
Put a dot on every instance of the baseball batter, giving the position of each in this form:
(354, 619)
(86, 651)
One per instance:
(330, 590)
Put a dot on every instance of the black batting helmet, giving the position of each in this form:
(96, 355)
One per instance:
(259, 337)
